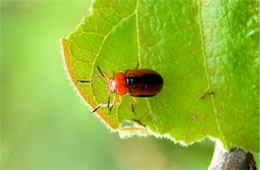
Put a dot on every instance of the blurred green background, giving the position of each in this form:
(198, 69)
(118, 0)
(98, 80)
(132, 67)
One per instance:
(44, 124)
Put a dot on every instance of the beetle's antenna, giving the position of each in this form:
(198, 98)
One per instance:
(94, 78)
(113, 73)
(100, 71)
(83, 81)
(90, 81)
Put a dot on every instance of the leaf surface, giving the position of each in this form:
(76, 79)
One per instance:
(206, 51)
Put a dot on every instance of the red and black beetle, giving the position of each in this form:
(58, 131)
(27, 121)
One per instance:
(137, 83)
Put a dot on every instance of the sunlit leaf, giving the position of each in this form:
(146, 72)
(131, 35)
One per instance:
(206, 51)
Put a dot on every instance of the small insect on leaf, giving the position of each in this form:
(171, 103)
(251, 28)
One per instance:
(136, 83)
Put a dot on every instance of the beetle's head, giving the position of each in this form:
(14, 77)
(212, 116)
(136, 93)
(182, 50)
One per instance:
(112, 85)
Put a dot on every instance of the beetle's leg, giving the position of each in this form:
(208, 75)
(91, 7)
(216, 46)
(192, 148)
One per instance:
(106, 105)
(108, 102)
(114, 102)
(138, 122)
(120, 100)
(133, 103)
(99, 106)
(137, 65)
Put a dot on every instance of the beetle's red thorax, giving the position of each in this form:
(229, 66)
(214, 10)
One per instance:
(120, 81)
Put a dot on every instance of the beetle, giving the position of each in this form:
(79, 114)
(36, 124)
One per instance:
(136, 83)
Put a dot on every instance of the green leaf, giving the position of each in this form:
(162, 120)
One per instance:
(206, 51)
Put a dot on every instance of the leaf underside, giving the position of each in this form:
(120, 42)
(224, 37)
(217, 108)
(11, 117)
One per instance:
(206, 51)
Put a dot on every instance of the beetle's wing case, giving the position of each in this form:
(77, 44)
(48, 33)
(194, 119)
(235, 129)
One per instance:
(143, 82)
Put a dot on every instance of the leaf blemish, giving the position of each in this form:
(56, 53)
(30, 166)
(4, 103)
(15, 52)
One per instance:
(207, 94)
(192, 116)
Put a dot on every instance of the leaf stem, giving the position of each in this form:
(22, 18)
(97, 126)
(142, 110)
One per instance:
(235, 159)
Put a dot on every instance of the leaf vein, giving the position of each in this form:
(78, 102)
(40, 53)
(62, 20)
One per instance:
(203, 49)
(103, 42)
(139, 54)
